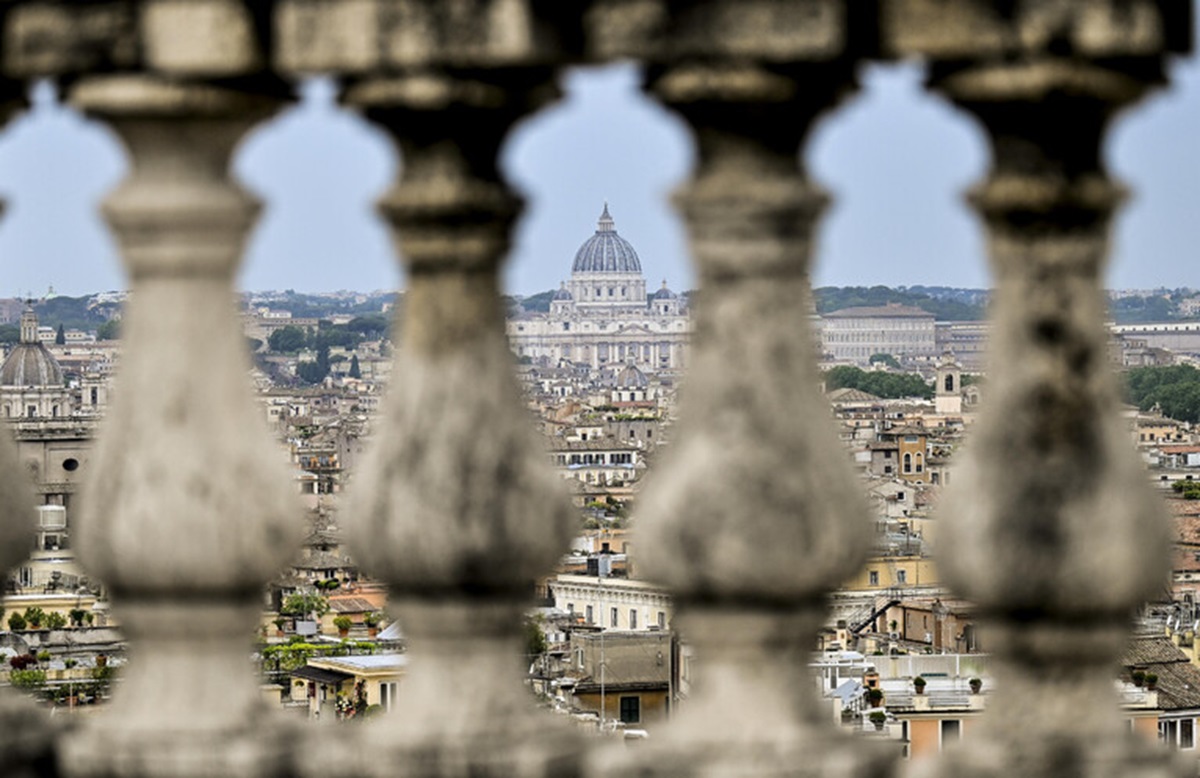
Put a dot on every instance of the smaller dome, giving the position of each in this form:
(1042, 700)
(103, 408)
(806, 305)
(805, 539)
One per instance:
(30, 363)
(562, 293)
(632, 378)
(664, 293)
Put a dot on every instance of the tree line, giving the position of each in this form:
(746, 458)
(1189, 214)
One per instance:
(878, 383)
(1175, 389)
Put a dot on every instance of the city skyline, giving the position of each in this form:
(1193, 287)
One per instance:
(894, 158)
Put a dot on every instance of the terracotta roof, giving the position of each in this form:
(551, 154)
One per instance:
(1152, 650)
(351, 605)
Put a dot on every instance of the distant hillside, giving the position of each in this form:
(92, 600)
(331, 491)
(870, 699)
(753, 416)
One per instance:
(74, 313)
(945, 303)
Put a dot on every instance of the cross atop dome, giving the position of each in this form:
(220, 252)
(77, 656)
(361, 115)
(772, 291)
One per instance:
(606, 223)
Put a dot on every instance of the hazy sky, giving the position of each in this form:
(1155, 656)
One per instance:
(896, 159)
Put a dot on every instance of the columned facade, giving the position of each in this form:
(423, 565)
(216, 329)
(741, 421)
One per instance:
(603, 317)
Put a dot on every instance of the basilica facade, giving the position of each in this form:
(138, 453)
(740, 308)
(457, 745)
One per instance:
(603, 316)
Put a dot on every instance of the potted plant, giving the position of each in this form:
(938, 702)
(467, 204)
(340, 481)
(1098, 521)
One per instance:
(372, 621)
(878, 717)
(919, 684)
(875, 696)
(976, 685)
(279, 624)
(1151, 681)
(1138, 677)
(343, 624)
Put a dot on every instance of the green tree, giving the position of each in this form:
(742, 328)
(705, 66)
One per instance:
(35, 616)
(287, 340)
(109, 330)
(372, 326)
(305, 605)
(9, 333)
(535, 638)
(60, 337)
(355, 370)
(1175, 389)
(889, 385)
(55, 620)
(885, 359)
(16, 622)
(28, 680)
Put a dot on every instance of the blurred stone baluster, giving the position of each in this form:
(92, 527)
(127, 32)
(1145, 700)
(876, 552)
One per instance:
(456, 506)
(754, 514)
(187, 512)
(1049, 525)
(25, 732)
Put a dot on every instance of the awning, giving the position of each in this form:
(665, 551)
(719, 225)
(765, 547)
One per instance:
(320, 675)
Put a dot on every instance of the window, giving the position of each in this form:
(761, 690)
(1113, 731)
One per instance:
(387, 694)
(901, 576)
(662, 621)
(31, 411)
(908, 463)
(1187, 733)
(949, 383)
(887, 469)
(571, 608)
(613, 618)
(632, 618)
(566, 325)
(1168, 732)
(588, 612)
(873, 577)
(951, 730)
(631, 710)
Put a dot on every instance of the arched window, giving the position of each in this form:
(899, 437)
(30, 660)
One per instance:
(950, 382)
(908, 463)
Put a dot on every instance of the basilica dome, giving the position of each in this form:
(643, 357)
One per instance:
(606, 251)
(30, 363)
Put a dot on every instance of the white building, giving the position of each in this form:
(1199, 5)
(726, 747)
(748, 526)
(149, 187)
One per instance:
(613, 603)
(603, 316)
(857, 334)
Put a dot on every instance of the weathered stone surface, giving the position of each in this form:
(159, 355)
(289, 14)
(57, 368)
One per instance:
(1049, 525)
(353, 36)
(199, 38)
(47, 38)
(455, 505)
(747, 519)
(967, 29)
(320, 35)
(188, 511)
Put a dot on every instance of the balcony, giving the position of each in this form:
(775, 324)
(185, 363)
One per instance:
(51, 517)
(188, 512)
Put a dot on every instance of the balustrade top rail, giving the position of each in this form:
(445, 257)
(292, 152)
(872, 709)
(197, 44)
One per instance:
(1050, 527)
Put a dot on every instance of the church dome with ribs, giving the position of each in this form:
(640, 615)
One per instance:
(30, 363)
(606, 251)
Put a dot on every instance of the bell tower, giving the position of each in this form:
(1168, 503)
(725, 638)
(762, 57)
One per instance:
(948, 394)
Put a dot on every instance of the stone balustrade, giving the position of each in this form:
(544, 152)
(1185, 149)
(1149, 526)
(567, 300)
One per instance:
(187, 513)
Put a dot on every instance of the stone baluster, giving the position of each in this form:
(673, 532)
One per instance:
(755, 514)
(188, 512)
(1049, 525)
(456, 506)
(26, 736)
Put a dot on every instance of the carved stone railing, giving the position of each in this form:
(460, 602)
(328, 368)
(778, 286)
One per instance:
(187, 512)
